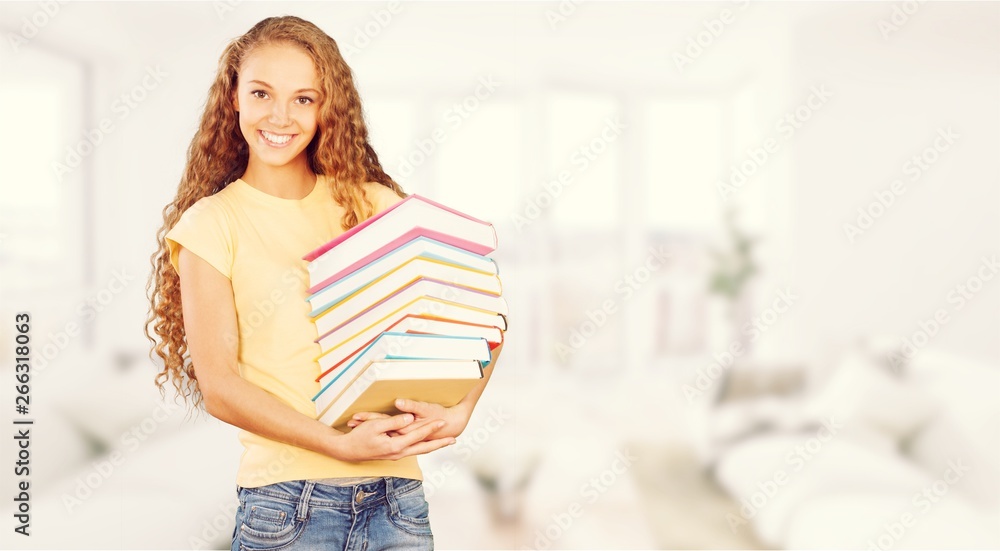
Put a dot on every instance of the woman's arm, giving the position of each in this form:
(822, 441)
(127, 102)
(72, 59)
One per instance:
(210, 326)
(456, 417)
(468, 403)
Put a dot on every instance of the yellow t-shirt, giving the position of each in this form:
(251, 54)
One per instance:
(258, 240)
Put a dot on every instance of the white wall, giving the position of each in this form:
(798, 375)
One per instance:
(558, 83)
(939, 71)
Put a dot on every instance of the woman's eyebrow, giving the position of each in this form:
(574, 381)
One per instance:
(262, 83)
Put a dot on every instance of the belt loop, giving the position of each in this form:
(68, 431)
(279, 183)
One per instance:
(302, 509)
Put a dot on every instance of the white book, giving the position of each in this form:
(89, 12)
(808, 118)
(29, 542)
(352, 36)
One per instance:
(343, 308)
(421, 246)
(348, 338)
(404, 221)
(421, 287)
(345, 350)
(391, 345)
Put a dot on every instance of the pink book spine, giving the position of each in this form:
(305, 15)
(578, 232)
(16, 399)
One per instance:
(399, 241)
(400, 290)
(362, 347)
(347, 235)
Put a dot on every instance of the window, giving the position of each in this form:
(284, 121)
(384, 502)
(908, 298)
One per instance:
(582, 139)
(684, 159)
(45, 153)
(479, 165)
(390, 127)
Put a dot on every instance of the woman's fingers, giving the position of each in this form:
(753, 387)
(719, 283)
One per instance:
(392, 425)
(428, 446)
(389, 424)
(381, 438)
(366, 415)
(419, 434)
(363, 416)
(423, 410)
(414, 426)
(420, 409)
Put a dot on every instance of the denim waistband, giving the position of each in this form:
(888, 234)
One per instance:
(307, 493)
(347, 481)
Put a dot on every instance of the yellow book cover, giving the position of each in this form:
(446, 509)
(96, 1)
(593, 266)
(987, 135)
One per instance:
(443, 382)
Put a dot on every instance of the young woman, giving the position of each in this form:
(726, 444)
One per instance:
(280, 165)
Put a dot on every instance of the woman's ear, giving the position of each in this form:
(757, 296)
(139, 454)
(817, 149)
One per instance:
(236, 103)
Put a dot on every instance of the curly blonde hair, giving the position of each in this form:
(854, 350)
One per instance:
(218, 155)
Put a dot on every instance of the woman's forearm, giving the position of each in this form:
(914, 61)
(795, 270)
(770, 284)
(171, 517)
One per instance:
(472, 398)
(249, 407)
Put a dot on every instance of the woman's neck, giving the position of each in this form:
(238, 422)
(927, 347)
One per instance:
(287, 182)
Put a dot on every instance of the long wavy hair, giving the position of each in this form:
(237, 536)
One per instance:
(218, 155)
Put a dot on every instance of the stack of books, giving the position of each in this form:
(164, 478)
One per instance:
(406, 305)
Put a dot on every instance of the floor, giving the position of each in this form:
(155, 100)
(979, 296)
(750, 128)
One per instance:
(687, 509)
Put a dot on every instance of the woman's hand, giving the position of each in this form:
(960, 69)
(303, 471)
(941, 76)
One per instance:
(392, 438)
(455, 418)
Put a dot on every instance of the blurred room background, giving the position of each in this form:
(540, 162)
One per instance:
(749, 249)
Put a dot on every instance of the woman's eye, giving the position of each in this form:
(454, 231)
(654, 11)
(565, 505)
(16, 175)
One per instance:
(307, 100)
(259, 94)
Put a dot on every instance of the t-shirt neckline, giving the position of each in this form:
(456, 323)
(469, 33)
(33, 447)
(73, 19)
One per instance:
(315, 192)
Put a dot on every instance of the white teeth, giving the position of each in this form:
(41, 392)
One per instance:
(275, 138)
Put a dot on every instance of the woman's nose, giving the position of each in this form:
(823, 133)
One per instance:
(279, 115)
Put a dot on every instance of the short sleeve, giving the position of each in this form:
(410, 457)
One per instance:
(203, 230)
(382, 197)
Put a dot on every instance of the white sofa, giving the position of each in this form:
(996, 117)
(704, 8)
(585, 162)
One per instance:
(915, 465)
(115, 467)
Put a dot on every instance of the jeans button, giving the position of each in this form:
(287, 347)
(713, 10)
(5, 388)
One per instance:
(361, 496)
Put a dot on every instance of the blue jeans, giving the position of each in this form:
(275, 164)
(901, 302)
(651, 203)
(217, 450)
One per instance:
(388, 513)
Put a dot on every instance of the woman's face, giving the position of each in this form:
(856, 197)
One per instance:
(277, 96)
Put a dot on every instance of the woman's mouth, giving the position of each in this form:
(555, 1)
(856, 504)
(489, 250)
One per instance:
(275, 140)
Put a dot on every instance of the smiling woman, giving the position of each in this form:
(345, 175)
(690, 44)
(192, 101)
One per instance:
(281, 164)
(278, 121)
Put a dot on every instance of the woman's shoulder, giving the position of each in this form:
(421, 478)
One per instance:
(222, 200)
(381, 196)
(211, 209)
